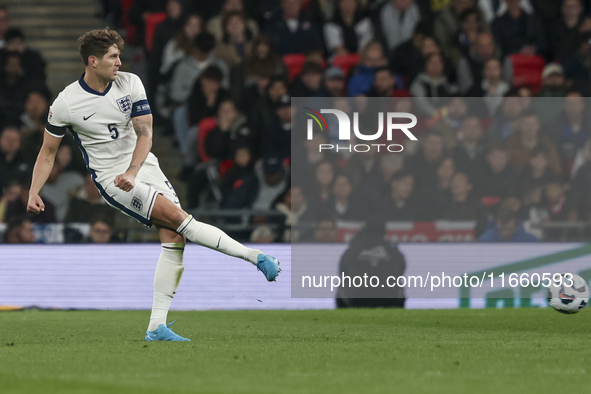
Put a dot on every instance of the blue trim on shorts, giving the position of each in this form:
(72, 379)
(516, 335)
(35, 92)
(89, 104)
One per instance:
(109, 199)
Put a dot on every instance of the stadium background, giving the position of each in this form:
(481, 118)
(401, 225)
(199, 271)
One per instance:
(219, 76)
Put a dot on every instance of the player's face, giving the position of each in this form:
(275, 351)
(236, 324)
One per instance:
(108, 66)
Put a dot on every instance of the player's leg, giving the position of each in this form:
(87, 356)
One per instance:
(167, 214)
(166, 282)
(168, 275)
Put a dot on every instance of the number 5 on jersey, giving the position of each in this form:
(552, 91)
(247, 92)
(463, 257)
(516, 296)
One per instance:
(113, 130)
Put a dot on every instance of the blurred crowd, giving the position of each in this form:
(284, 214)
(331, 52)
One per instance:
(220, 77)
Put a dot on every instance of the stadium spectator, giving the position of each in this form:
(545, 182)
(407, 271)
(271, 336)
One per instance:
(260, 190)
(577, 66)
(164, 32)
(564, 33)
(451, 22)
(215, 24)
(342, 204)
(384, 84)
(571, 130)
(292, 30)
(19, 231)
(537, 170)
(507, 229)
(523, 141)
(32, 62)
(399, 203)
(516, 31)
(191, 67)
(349, 29)
(440, 193)
(492, 88)
(276, 137)
(181, 44)
(468, 154)
(326, 231)
(320, 190)
(263, 114)
(431, 86)
(101, 230)
(389, 165)
(463, 205)
(553, 82)
(424, 164)
(334, 81)
(309, 82)
(492, 9)
(8, 194)
(263, 57)
(60, 183)
(498, 178)
(263, 234)
(240, 171)
(464, 40)
(206, 96)
(470, 67)
(449, 124)
(18, 206)
(395, 22)
(231, 132)
(504, 123)
(559, 204)
(404, 59)
(139, 12)
(4, 23)
(236, 41)
(86, 202)
(362, 75)
(13, 163)
(298, 215)
(15, 86)
(34, 117)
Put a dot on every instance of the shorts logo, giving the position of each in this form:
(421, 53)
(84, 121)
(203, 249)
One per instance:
(124, 104)
(49, 116)
(137, 204)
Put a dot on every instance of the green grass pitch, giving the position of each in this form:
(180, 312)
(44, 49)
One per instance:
(342, 351)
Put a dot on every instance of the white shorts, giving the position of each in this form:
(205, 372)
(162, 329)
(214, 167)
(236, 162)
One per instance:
(139, 201)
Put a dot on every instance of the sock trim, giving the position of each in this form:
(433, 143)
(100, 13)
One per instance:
(180, 230)
(172, 248)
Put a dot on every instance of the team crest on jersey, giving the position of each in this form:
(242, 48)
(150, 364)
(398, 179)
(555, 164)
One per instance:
(49, 116)
(137, 203)
(124, 104)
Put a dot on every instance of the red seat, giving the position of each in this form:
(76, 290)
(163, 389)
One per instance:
(345, 62)
(527, 71)
(204, 127)
(294, 63)
(152, 22)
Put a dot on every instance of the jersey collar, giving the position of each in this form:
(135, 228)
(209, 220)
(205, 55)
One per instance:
(85, 86)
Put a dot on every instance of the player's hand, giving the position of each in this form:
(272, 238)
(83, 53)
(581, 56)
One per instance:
(35, 204)
(126, 181)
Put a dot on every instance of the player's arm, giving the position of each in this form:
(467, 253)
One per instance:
(143, 128)
(41, 171)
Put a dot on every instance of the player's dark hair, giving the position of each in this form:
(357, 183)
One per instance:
(97, 43)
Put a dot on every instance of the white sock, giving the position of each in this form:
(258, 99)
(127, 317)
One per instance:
(166, 282)
(214, 238)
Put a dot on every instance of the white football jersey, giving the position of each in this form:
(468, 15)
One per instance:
(101, 122)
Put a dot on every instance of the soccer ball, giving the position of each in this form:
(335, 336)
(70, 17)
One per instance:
(568, 299)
